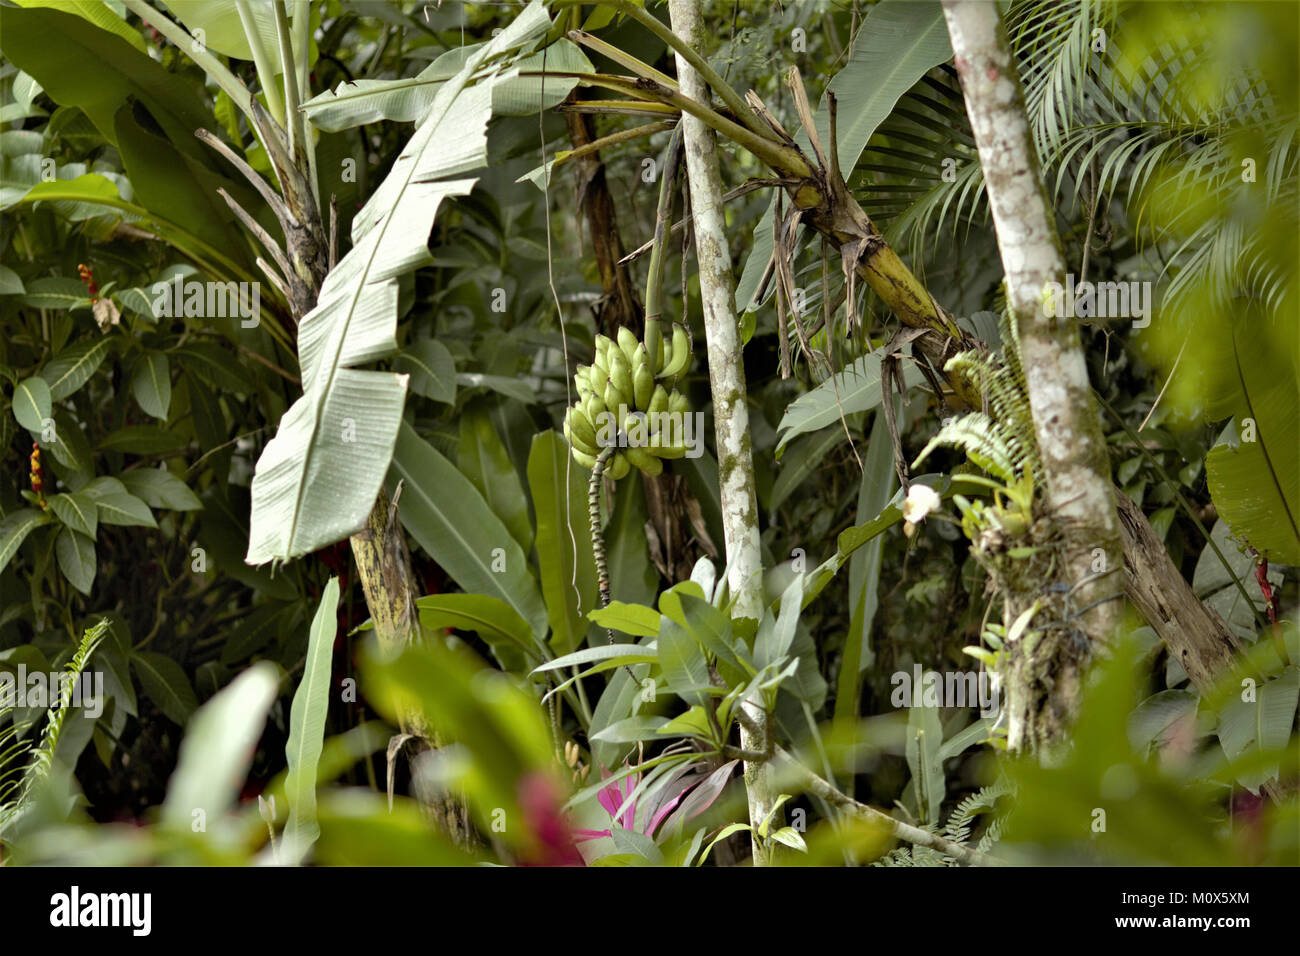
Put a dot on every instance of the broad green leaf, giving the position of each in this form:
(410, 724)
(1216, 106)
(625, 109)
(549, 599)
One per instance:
(632, 578)
(182, 188)
(73, 367)
(683, 664)
(152, 384)
(223, 31)
(565, 562)
(776, 635)
(1262, 725)
(1255, 482)
(143, 440)
(10, 282)
(219, 746)
(631, 729)
(76, 554)
(14, 529)
(124, 509)
(56, 292)
(431, 368)
(307, 725)
(898, 42)
(448, 517)
(491, 618)
(78, 512)
(317, 480)
(97, 72)
(634, 619)
(856, 389)
(520, 391)
(358, 102)
(31, 403)
(68, 443)
(796, 465)
(215, 365)
(1157, 714)
(98, 12)
(165, 684)
(483, 459)
(159, 488)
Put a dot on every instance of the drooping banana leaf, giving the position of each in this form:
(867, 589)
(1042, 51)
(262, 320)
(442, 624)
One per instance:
(406, 100)
(898, 43)
(1255, 481)
(318, 478)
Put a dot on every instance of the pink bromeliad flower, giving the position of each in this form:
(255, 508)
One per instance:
(689, 791)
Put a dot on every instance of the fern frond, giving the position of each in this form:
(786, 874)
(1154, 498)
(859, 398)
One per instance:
(41, 761)
(983, 441)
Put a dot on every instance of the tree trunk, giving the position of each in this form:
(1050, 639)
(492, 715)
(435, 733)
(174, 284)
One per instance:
(1042, 692)
(730, 408)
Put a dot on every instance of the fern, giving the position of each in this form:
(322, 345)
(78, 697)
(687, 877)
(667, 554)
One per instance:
(15, 794)
(1001, 442)
(957, 829)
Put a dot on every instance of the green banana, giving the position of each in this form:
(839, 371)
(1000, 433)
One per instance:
(659, 449)
(627, 344)
(618, 467)
(584, 432)
(582, 458)
(582, 379)
(676, 366)
(597, 376)
(645, 461)
(620, 378)
(643, 379)
(657, 405)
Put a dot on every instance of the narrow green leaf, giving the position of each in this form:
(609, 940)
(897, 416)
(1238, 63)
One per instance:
(568, 576)
(307, 725)
(449, 519)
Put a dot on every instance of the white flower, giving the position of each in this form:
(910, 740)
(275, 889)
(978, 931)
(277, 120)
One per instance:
(921, 500)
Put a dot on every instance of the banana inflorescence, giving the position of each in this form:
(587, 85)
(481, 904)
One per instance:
(625, 378)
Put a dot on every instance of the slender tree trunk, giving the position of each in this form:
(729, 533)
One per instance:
(1076, 470)
(730, 408)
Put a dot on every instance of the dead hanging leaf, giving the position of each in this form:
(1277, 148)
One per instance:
(106, 313)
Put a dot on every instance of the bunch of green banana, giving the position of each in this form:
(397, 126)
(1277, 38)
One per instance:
(625, 377)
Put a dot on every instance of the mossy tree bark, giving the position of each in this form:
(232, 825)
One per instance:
(730, 408)
(1045, 679)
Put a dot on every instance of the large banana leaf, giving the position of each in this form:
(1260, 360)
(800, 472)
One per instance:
(1255, 482)
(899, 42)
(78, 64)
(406, 100)
(318, 478)
(450, 519)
